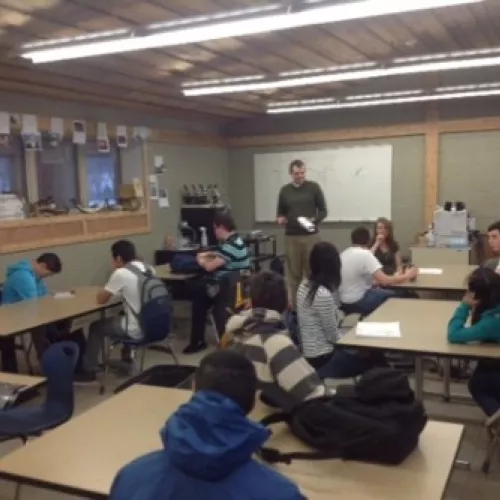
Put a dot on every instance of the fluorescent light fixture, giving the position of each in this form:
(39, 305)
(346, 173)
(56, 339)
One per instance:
(438, 94)
(425, 64)
(184, 32)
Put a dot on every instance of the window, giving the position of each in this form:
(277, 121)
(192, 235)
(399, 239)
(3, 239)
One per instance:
(103, 175)
(57, 173)
(12, 167)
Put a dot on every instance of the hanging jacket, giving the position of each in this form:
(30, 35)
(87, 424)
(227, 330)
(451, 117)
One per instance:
(208, 445)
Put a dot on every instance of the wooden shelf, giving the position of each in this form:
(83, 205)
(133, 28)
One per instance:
(46, 232)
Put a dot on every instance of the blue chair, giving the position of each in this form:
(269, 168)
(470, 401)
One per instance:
(58, 365)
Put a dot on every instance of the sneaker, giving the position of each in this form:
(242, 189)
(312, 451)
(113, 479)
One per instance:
(194, 348)
(494, 420)
(85, 377)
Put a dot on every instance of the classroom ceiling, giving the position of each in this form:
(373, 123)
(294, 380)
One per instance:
(150, 80)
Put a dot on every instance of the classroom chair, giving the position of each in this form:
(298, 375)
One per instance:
(138, 349)
(58, 365)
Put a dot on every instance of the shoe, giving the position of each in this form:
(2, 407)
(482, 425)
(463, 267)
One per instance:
(85, 377)
(494, 420)
(194, 348)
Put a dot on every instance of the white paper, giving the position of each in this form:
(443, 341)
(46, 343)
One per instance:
(4, 122)
(373, 329)
(121, 136)
(306, 224)
(57, 126)
(159, 164)
(141, 133)
(153, 187)
(30, 125)
(163, 199)
(429, 270)
(102, 130)
(79, 132)
(64, 295)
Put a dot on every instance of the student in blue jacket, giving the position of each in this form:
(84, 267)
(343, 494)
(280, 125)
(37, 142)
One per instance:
(208, 444)
(482, 304)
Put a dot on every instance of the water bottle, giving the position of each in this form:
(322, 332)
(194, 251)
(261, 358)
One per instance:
(204, 237)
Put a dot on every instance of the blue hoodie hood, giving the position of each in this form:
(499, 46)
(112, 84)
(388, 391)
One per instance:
(22, 283)
(210, 437)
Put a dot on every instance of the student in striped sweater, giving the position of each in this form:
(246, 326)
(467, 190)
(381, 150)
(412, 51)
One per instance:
(319, 315)
(285, 378)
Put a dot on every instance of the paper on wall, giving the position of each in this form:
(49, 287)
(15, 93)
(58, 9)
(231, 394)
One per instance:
(153, 187)
(159, 164)
(4, 122)
(163, 198)
(30, 125)
(79, 132)
(56, 131)
(141, 133)
(103, 145)
(121, 136)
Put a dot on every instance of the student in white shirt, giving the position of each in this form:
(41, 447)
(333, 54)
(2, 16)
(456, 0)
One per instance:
(319, 316)
(123, 283)
(361, 271)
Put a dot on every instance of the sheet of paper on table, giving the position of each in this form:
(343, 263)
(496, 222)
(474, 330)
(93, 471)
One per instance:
(429, 270)
(64, 295)
(373, 329)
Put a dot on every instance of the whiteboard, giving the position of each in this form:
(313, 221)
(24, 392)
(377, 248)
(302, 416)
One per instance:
(356, 181)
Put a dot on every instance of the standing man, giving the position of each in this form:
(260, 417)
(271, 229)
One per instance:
(300, 198)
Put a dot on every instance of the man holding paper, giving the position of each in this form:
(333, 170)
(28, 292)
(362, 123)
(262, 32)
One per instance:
(301, 207)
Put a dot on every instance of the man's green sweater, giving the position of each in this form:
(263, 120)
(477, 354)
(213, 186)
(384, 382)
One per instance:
(306, 200)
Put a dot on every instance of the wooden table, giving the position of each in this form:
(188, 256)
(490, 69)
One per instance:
(452, 279)
(86, 453)
(30, 314)
(165, 273)
(423, 325)
(27, 381)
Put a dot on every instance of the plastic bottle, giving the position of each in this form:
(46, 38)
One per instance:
(204, 237)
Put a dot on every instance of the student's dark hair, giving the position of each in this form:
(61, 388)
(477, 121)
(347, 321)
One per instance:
(228, 373)
(225, 219)
(484, 283)
(324, 265)
(268, 291)
(124, 249)
(52, 262)
(494, 227)
(360, 236)
(296, 164)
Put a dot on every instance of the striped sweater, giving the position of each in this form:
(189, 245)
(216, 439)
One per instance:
(319, 322)
(283, 373)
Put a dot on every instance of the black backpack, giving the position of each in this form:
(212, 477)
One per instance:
(377, 420)
(154, 317)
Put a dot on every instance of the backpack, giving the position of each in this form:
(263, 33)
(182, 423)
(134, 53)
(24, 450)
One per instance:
(155, 312)
(185, 262)
(377, 420)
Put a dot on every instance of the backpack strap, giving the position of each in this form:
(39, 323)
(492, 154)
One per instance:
(272, 455)
(140, 274)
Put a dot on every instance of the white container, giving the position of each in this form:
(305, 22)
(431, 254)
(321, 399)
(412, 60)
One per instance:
(203, 237)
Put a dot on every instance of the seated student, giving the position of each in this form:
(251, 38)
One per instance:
(493, 234)
(231, 255)
(25, 281)
(319, 315)
(482, 304)
(208, 444)
(360, 271)
(386, 248)
(285, 377)
(122, 283)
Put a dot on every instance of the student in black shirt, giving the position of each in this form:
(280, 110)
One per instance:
(386, 248)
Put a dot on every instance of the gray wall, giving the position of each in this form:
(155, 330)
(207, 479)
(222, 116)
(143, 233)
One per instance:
(89, 263)
(407, 189)
(469, 171)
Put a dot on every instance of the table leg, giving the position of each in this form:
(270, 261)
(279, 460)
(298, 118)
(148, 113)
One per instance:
(446, 378)
(419, 378)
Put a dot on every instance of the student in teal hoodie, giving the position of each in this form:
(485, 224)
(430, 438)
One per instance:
(482, 304)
